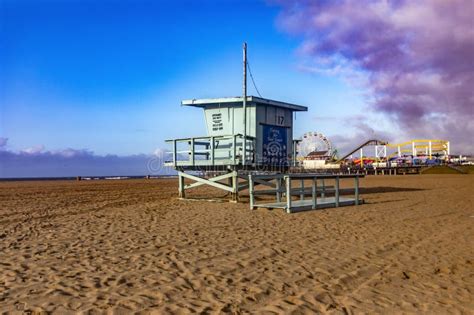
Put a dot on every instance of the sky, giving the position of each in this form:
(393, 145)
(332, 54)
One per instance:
(94, 87)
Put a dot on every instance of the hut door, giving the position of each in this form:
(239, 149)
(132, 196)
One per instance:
(275, 148)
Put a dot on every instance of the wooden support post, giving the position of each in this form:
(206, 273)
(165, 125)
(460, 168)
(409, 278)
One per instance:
(252, 196)
(175, 154)
(235, 187)
(181, 191)
(288, 194)
(192, 151)
(234, 149)
(337, 191)
(356, 189)
(212, 151)
(314, 192)
(302, 190)
(323, 188)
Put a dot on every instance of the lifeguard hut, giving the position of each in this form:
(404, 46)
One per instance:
(267, 125)
(249, 142)
(238, 140)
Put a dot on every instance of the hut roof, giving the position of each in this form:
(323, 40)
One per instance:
(237, 101)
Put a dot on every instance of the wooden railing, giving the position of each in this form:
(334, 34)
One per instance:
(322, 195)
(212, 151)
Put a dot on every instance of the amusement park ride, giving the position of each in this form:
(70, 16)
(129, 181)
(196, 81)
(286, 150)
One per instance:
(414, 152)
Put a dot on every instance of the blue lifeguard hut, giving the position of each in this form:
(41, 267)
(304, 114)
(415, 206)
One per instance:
(238, 140)
(265, 139)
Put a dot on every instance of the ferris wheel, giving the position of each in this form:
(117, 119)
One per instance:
(314, 143)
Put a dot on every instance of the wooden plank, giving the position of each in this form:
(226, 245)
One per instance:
(208, 182)
(266, 176)
(203, 143)
(212, 150)
(235, 187)
(302, 190)
(323, 206)
(212, 179)
(356, 190)
(288, 194)
(205, 138)
(181, 192)
(268, 191)
(251, 192)
(234, 149)
(192, 151)
(323, 193)
(263, 182)
(205, 162)
(328, 176)
(200, 153)
(314, 194)
(175, 157)
(299, 205)
(329, 202)
(270, 205)
(297, 191)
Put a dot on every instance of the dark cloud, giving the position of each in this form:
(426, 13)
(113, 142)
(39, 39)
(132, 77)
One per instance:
(3, 142)
(37, 162)
(417, 57)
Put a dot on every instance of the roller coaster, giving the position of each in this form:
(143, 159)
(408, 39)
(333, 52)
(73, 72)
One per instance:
(427, 149)
(372, 142)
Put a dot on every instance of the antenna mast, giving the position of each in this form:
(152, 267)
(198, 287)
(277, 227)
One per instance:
(244, 98)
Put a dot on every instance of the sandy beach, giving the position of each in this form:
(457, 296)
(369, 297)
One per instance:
(131, 245)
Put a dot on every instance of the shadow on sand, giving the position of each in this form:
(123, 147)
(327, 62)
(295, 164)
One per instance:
(381, 190)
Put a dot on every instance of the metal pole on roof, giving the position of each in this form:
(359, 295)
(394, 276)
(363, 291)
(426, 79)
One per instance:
(244, 98)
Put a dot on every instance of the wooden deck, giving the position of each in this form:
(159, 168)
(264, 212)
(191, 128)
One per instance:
(304, 205)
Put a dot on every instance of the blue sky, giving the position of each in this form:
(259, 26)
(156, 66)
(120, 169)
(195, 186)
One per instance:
(86, 83)
(108, 76)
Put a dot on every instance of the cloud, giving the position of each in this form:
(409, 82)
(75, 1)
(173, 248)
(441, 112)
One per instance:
(3, 142)
(362, 133)
(33, 150)
(416, 56)
(326, 118)
(38, 162)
